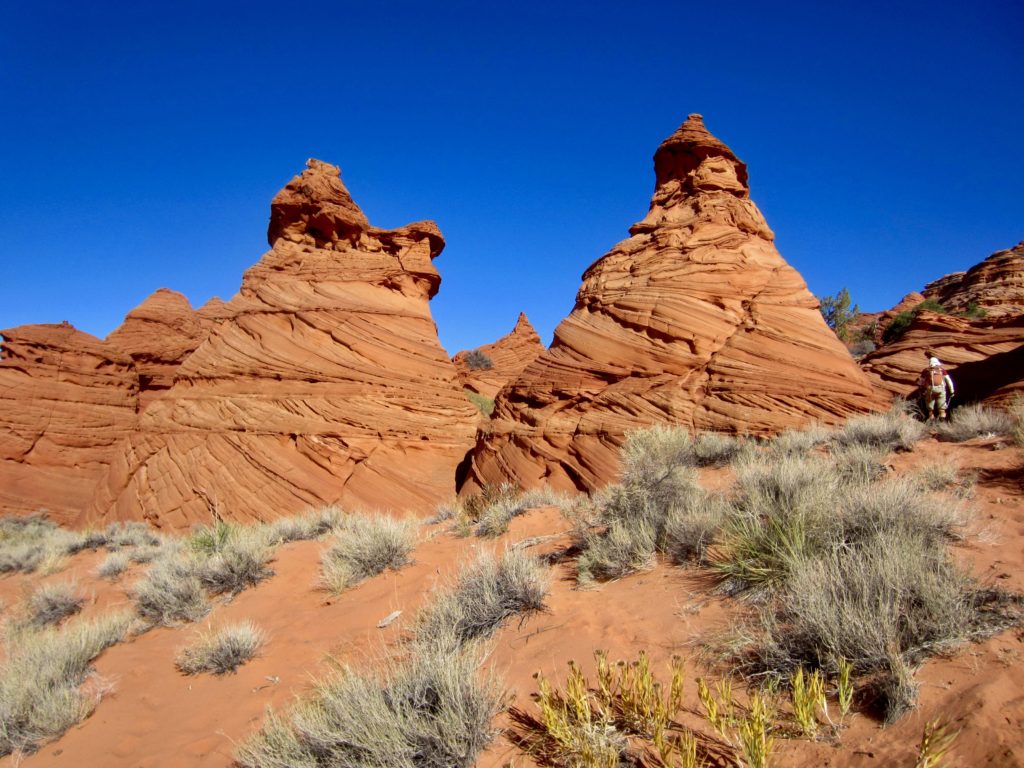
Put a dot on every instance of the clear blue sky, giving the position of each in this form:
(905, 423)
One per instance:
(141, 142)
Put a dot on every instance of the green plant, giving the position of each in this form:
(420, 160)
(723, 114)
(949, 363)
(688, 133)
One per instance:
(212, 538)
(838, 313)
(365, 546)
(483, 403)
(756, 741)
(477, 360)
(220, 651)
(808, 695)
(898, 326)
(844, 685)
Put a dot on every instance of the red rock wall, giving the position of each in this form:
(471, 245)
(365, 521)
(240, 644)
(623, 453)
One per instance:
(66, 400)
(694, 320)
(509, 355)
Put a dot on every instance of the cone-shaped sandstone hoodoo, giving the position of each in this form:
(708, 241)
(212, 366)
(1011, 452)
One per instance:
(694, 320)
(325, 381)
(66, 400)
(508, 356)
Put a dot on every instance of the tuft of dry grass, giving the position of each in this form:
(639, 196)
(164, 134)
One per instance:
(309, 525)
(485, 593)
(237, 562)
(970, 421)
(113, 565)
(172, 592)
(365, 546)
(50, 604)
(494, 519)
(430, 709)
(895, 430)
(222, 650)
(40, 679)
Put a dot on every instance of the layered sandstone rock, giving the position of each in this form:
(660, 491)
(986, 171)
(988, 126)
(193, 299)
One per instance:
(66, 400)
(873, 324)
(508, 356)
(984, 356)
(996, 286)
(158, 335)
(324, 383)
(694, 320)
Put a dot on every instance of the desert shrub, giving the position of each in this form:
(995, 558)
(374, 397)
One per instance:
(893, 430)
(883, 606)
(309, 525)
(171, 592)
(477, 360)
(863, 347)
(938, 475)
(432, 709)
(1016, 412)
(144, 554)
(621, 549)
(794, 442)
(714, 449)
(113, 565)
(692, 527)
(91, 540)
(494, 519)
(52, 603)
(970, 421)
(40, 679)
(208, 539)
(898, 326)
(32, 543)
(858, 464)
(838, 313)
(365, 546)
(131, 535)
(931, 305)
(485, 593)
(222, 650)
(239, 562)
(482, 403)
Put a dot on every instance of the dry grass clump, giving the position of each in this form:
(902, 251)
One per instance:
(40, 679)
(309, 525)
(794, 442)
(32, 543)
(485, 594)
(972, 421)
(50, 604)
(365, 546)
(858, 464)
(113, 565)
(431, 709)
(221, 651)
(657, 506)
(239, 561)
(172, 591)
(493, 520)
(895, 430)
(1016, 411)
(715, 449)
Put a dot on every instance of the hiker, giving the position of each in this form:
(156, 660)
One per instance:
(934, 381)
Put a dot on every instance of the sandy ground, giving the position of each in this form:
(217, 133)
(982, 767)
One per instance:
(156, 716)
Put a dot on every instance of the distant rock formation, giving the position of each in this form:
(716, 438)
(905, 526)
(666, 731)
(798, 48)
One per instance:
(996, 286)
(983, 350)
(66, 401)
(508, 356)
(158, 335)
(694, 320)
(324, 382)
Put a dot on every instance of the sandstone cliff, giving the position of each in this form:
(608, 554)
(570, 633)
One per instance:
(695, 319)
(996, 285)
(66, 400)
(508, 356)
(324, 382)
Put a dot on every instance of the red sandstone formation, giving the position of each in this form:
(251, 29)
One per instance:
(66, 399)
(326, 381)
(996, 285)
(984, 354)
(877, 322)
(158, 335)
(509, 355)
(695, 320)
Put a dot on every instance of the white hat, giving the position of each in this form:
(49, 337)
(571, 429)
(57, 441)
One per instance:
(933, 362)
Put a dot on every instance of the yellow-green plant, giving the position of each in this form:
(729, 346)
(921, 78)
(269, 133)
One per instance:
(808, 694)
(936, 741)
(755, 732)
(717, 708)
(844, 684)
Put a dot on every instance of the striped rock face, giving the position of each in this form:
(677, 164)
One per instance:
(507, 357)
(66, 400)
(694, 320)
(323, 382)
